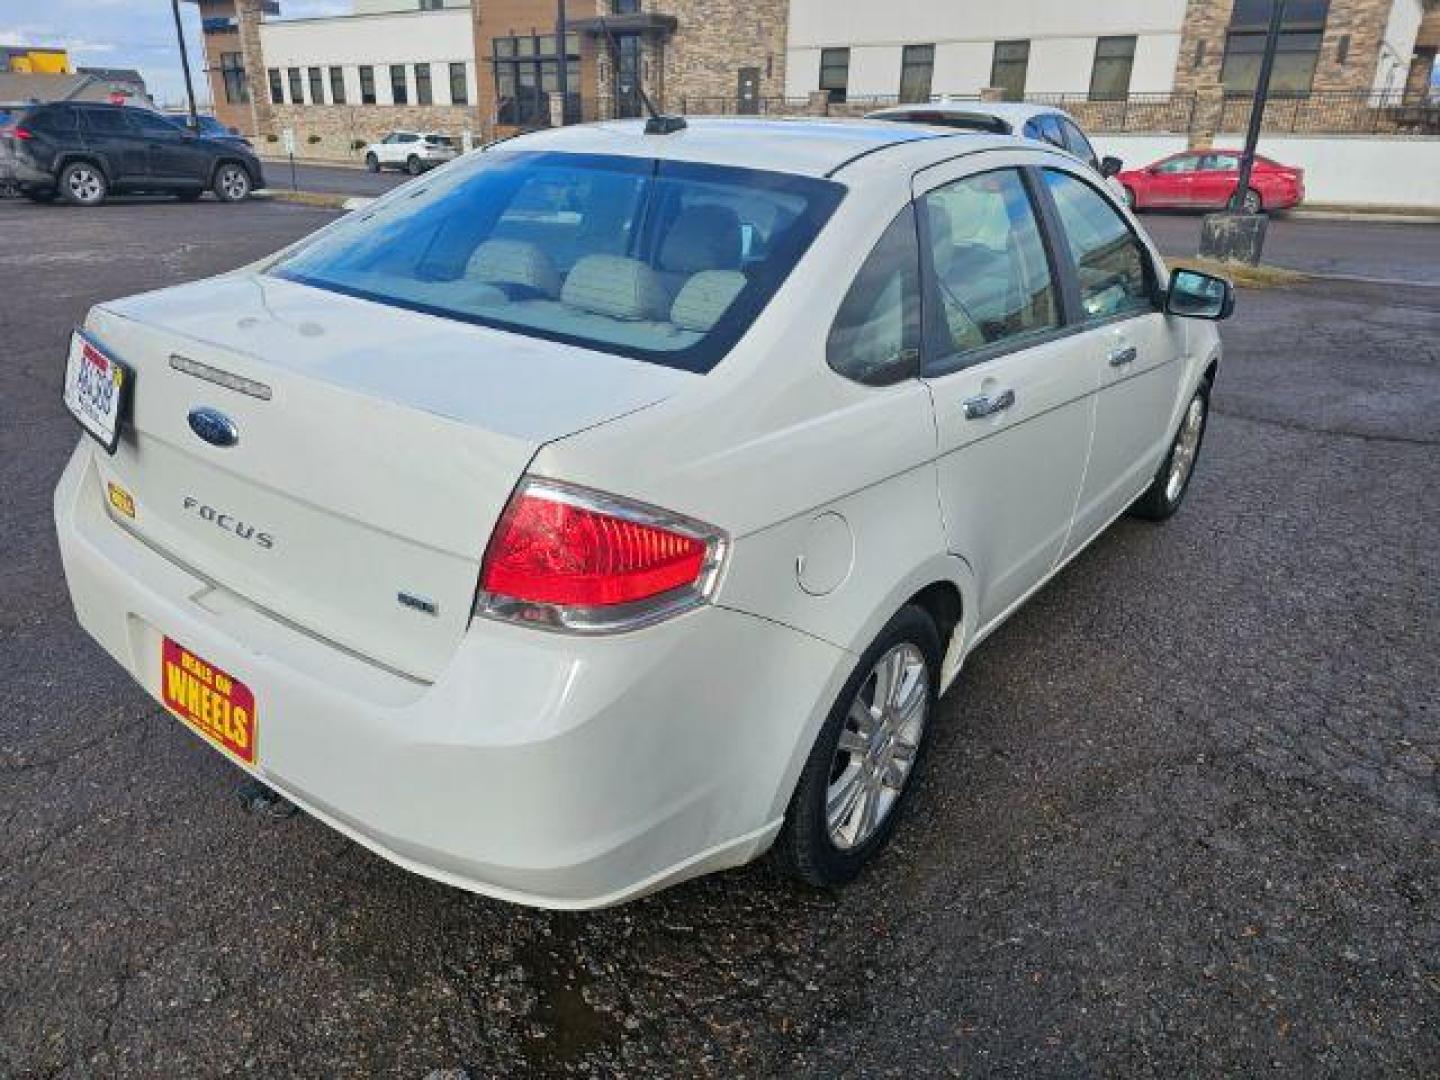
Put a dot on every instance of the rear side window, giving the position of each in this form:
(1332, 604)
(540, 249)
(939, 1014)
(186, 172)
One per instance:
(106, 122)
(1110, 262)
(55, 120)
(875, 338)
(1046, 128)
(992, 277)
(663, 261)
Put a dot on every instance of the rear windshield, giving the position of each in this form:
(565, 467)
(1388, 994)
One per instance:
(965, 122)
(659, 260)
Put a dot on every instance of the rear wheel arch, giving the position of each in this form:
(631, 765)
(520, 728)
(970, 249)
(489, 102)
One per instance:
(65, 160)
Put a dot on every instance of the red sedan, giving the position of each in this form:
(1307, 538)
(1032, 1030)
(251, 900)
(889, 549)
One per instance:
(1206, 179)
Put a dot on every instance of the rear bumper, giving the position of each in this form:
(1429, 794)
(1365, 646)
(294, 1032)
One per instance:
(543, 769)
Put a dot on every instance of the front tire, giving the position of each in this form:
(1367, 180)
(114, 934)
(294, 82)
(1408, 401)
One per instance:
(232, 183)
(83, 184)
(414, 166)
(1167, 491)
(858, 777)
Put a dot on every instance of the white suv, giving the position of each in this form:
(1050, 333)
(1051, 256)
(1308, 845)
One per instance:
(412, 151)
(617, 506)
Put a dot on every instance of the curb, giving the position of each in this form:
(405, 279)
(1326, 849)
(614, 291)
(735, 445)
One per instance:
(1374, 217)
(325, 200)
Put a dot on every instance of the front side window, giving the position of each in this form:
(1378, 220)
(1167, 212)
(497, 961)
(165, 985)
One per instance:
(156, 127)
(992, 278)
(317, 86)
(1110, 262)
(423, 93)
(917, 67)
(1077, 142)
(1114, 61)
(367, 85)
(399, 94)
(1009, 67)
(277, 88)
(1185, 163)
(875, 338)
(1046, 128)
(835, 73)
(337, 85)
(459, 91)
(297, 92)
(1219, 163)
(663, 261)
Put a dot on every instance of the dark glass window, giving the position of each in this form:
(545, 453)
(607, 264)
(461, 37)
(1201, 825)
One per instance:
(1009, 67)
(423, 94)
(337, 85)
(52, 120)
(1297, 51)
(107, 122)
(835, 73)
(875, 338)
(663, 261)
(1077, 142)
(917, 67)
(527, 75)
(1114, 60)
(399, 92)
(459, 90)
(232, 74)
(297, 93)
(277, 88)
(367, 85)
(317, 86)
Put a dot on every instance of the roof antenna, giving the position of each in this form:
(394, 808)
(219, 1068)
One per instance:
(659, 123)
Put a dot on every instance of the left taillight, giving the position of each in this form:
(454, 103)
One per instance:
(23, 133)
(569, 558)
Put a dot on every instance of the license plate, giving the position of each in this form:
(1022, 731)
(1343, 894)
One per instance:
(219, 706)
(97, 389)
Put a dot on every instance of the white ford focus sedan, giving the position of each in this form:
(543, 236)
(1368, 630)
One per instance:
(610, 507)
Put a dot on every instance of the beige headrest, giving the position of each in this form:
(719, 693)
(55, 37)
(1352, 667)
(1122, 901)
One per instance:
(616, 286)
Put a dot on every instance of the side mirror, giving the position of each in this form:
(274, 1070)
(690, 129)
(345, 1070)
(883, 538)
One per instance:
(1110, 166)
(1194, 295)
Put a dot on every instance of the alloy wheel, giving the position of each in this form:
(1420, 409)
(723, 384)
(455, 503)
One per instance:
(1187, 446)
(85, 184)
(234, 183)
(876, 751)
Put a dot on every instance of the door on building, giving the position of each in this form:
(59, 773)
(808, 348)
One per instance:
(627, 75)
(747, 91)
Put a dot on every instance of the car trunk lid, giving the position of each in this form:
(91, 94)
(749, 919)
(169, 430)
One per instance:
(376, 449)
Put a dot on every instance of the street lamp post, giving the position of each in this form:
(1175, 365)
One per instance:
(562, 58)
(185, 65)
(1257, 110)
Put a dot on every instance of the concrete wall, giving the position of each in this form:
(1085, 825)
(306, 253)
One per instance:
(1339, 169)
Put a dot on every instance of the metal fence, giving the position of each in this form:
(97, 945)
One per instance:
(1324, 113)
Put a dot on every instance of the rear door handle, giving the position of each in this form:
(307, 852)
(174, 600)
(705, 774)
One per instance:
(1121, 357)
(977, 408)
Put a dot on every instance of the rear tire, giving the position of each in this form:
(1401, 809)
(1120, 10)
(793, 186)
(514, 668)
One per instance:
(372, 163)
(860, 772)
(83, 184)
(232, 183)
(1167, 491)
(414, 166)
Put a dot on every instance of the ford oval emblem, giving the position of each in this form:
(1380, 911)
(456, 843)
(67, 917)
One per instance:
(214, 426)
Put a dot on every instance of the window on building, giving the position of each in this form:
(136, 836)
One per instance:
(431, 5)
(232, 72)
(317, 86)
(624, 7)
(835, 73)
(337, 85)
(423, 93)
(527, 73)
(399, 91)
(1296, 53)
(297, 92)
(1007, 70)
(367, 85)
(459, 90)
(1114, 60)
(917, 67)
(277, 87)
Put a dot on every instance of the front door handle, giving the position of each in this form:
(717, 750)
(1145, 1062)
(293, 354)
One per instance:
(977, 408)
(1121, 357)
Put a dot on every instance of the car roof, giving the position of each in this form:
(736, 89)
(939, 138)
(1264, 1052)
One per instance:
(805, 146)
(1014, 113)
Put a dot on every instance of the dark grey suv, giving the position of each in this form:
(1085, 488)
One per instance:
(82, 151)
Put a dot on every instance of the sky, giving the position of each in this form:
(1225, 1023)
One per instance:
(129, 33)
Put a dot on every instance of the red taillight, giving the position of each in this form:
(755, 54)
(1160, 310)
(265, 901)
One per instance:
(23, 133)
(559, 553)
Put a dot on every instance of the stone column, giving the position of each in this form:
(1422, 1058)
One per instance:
(262, 116)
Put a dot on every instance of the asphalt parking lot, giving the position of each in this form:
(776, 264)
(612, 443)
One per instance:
(1182, 816)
